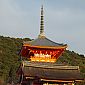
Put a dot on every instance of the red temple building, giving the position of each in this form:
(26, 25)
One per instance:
(41, 67)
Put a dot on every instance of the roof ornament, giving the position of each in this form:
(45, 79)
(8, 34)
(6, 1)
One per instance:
(42, 34)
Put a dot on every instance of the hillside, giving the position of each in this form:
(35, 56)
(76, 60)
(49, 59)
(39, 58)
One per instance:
(9, 58)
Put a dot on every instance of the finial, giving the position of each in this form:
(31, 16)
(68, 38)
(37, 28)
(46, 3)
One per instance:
(42, 24)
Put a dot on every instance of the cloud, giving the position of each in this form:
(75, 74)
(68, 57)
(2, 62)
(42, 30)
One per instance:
(67, 25)
(11, 18)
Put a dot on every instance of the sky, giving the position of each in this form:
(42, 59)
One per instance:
(64, 21)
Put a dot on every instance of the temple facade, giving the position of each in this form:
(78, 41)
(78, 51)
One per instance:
(41, 67)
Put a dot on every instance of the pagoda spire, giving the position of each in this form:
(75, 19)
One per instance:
(42, 34)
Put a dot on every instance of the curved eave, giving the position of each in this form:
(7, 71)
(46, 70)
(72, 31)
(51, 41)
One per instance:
(63, 80)
(47, 47)
(71, 80)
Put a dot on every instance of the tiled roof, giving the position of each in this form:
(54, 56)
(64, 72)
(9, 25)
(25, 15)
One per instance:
(53, 72)
(43, 41)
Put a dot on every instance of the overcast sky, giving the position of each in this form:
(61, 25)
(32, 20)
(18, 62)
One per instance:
(64, 20)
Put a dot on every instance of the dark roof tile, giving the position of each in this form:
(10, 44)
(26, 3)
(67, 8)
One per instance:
(44, 42)
(54, 72)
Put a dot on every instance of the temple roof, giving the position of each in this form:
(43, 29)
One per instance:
(43, 42)
(49, 71)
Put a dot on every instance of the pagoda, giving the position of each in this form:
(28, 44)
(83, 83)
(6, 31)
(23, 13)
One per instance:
(42, 49)
(41, 67)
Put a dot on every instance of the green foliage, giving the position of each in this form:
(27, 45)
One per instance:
(9, 49)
